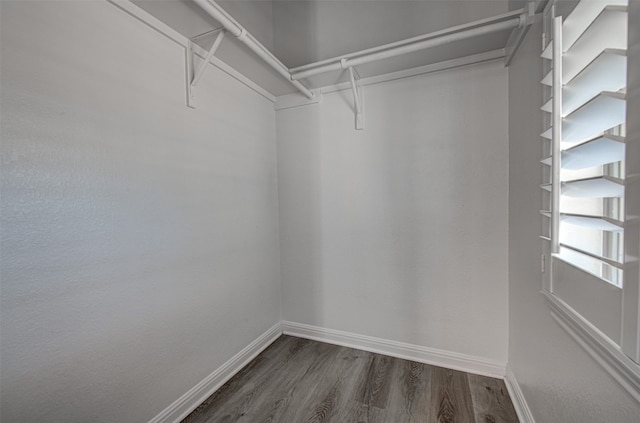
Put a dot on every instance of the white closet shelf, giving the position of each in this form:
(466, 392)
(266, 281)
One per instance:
(548, 79)
(471, 38)
(497, 36)
(548, 106)
(607, 72)
(602, 112)
(600, 187)
(584, 14)
(547, 133)
(597, 38)
(592, 222)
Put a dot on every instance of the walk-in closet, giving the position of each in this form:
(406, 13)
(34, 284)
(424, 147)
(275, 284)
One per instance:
(341, 211)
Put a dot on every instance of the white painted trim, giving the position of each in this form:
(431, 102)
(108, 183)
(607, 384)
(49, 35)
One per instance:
(604, 351)
(146, 18)
(196, 395)
(433, 356)
(517, 398)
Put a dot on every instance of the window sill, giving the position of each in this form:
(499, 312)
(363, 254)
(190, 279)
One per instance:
(608, 355)
(575, 265)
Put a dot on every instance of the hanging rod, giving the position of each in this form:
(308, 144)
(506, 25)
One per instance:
(231, 25)
(486, 26)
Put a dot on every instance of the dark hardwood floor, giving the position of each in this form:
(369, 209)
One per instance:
(298, 380)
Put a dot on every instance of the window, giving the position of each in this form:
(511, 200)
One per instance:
(590, 280)
(588, 104)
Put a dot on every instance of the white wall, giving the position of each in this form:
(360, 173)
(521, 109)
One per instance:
(139, 237)
(560, 381)
(399, 231)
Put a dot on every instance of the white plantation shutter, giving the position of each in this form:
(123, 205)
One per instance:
(590, 265)
(585, 108)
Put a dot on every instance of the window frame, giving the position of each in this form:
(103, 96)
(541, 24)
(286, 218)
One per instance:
(620, 359)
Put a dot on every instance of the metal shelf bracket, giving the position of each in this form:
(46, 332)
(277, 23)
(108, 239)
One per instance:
(194, 76)
(357, 97)
(531, 14)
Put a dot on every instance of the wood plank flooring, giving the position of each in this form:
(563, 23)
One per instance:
(299, 380)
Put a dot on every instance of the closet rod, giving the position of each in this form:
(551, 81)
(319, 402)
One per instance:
(230, 24)
(403, 47)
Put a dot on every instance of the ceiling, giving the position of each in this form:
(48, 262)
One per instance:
(299, 32)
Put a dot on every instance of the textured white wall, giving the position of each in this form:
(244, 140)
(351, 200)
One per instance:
(400, 231)
(560, 381)
(139, 237)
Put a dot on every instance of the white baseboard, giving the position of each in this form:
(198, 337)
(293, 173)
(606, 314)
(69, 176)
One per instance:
(188, 402)
(196, 395)
(517, 398)
(448, 359)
